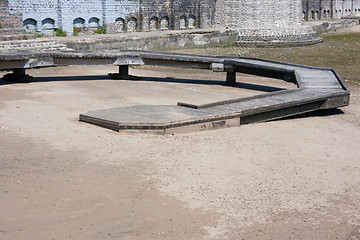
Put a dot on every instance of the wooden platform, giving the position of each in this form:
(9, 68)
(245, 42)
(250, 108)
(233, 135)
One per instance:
(318, 88)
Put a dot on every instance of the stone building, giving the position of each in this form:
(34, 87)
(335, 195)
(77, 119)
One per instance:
(256, 21)
(328, 9)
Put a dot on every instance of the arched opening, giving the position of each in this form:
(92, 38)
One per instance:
(79, 23)
(48, 26)
(94, 22)
(132, 24)
(164, 23)
(120, 25)
(154, 23)
(192, 21)
(312, 15)
(317, 16)
(30, 25)
(182, 23)
(324, 15)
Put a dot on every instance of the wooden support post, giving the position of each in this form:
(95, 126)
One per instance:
(123, 74)
(124, 70)
(230, 78)
(19, 72)
(18, 75)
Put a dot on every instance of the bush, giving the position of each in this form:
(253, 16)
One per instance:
(60, 33)
(76, 31)
(100, 31)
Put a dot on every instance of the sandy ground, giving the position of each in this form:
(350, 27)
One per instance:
(60, 178)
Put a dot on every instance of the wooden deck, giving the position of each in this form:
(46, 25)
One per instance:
(318, 88)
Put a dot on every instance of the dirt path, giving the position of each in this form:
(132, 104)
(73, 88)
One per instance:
(60, 178)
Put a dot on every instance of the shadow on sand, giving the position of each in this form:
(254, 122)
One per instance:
(248, 86)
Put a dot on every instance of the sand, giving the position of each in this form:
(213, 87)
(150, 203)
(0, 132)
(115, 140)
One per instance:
(296, 178)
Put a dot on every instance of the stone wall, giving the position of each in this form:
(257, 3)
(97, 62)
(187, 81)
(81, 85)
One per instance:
(257, 21)
(9, 21)
(159, 42)
(329, 9)
(151, 15)
(265, 22)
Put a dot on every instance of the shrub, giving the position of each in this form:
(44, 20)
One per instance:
(100, 31)
(76, 31)
(60, 33)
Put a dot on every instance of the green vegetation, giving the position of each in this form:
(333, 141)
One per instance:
(60, 33)
(76, 31)
(340, 52)
(38, 34)
(354, 36)
(100, 31)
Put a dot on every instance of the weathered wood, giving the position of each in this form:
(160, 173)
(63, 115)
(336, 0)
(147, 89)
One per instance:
(318, 88)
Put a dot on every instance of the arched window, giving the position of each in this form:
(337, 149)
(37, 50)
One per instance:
(30, 25)
(154, 23)
(313, 15)
(94, 22)
(316, 17)
(192, 21)
(182, 22)
(164, 23)
(79, 23)
(120, 25)
(132, 24)
(48, 25)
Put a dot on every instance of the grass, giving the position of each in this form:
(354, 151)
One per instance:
(355, 36)
(340, 52)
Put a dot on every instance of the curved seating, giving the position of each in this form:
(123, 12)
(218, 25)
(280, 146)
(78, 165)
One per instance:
(318, 88)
